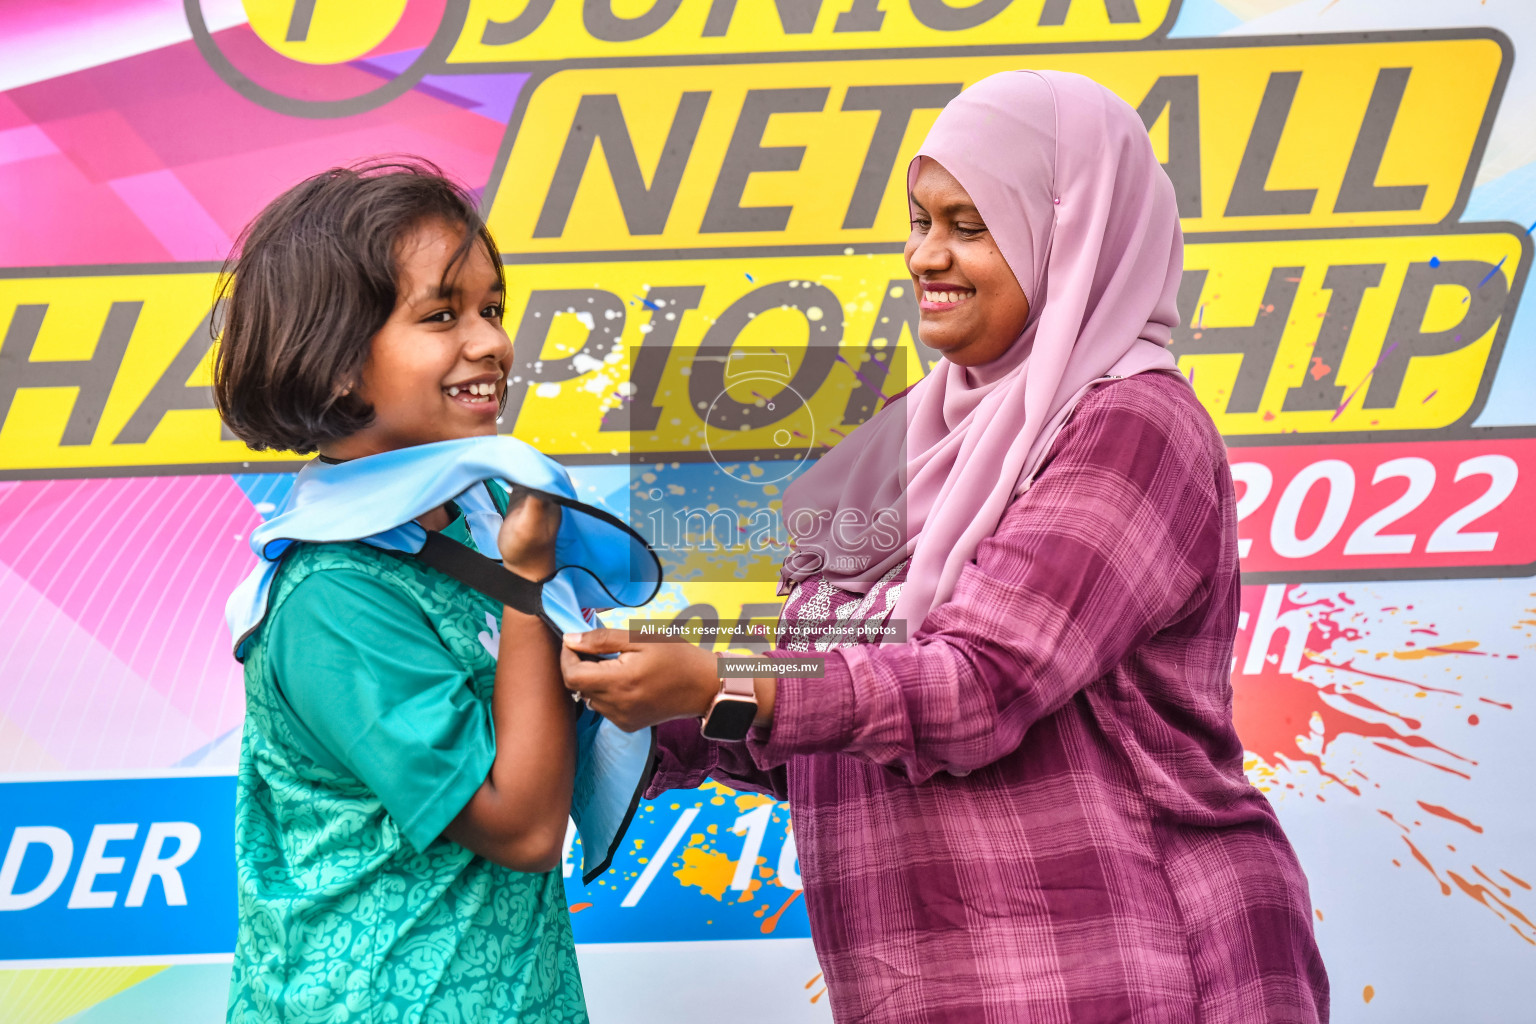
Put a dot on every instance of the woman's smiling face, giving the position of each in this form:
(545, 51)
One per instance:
(972, 308)
(437, 370)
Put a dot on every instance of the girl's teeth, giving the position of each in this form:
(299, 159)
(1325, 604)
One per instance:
(478, 392)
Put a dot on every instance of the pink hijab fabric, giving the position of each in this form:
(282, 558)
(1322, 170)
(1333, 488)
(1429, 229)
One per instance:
(1063, 174)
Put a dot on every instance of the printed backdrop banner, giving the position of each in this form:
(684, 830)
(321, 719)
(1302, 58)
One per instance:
(701, 208)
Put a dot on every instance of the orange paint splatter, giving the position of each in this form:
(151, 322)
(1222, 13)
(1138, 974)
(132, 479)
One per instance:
(1482, 894)
(1288, 718)
(818, 995)
(1502, 889)
(773, 921)
(1319, 368)
(1404, 753)
(710, 870)
(1459, 647)
(1445, 889)
(1349, 666)
(1522, 883)
(1441, 812)
(1370, 992)
(1369, 705)
(813, 981)
(577, 908)
(1272, 709)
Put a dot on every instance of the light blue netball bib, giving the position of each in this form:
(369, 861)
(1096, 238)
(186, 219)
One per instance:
(600, 563)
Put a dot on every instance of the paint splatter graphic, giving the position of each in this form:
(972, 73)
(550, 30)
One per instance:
(703, 864)
(1489, 276)
(713, 872)
(1328, 666)
(1367, 377)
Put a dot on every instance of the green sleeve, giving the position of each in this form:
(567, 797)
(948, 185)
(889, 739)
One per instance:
(369, 679)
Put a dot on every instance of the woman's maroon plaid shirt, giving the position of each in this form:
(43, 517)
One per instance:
(1036, 809)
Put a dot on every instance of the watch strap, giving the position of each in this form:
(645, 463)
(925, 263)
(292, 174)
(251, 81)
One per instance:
(738, 686)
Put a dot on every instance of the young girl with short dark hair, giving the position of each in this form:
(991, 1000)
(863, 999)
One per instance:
(407, 764)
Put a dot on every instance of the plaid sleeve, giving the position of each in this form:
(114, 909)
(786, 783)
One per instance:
(1119, 535)
(684, 759)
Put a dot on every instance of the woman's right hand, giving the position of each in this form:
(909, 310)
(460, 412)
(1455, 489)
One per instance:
(527, 538)
(647, 684)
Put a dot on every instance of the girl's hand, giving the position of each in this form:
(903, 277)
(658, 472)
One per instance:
(527, 538)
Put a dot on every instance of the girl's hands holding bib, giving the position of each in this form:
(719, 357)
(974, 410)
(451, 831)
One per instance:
(527, 538)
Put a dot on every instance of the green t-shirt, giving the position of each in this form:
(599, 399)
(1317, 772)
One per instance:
(368, 728)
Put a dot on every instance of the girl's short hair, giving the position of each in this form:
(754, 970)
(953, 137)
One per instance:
(310, 282)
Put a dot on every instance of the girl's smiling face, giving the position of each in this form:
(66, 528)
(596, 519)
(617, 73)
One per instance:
(971, 306)
(437, 370)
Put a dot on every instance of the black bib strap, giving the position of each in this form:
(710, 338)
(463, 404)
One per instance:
(486, 575)
(491, 578)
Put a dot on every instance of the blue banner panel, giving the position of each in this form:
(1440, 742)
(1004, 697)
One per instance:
(696, 864)
(117, 868)
(106, 868)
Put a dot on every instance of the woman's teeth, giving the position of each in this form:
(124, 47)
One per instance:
(473, 392)
(942, 297)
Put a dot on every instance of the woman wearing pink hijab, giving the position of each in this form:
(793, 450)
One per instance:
(1034, 808)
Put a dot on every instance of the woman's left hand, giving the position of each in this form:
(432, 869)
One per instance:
(647, 684)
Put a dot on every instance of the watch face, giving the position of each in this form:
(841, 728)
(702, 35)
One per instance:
(730, 719)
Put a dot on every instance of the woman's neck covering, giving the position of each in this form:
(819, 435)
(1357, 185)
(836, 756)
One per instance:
(600, 563)
(1063, 174)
